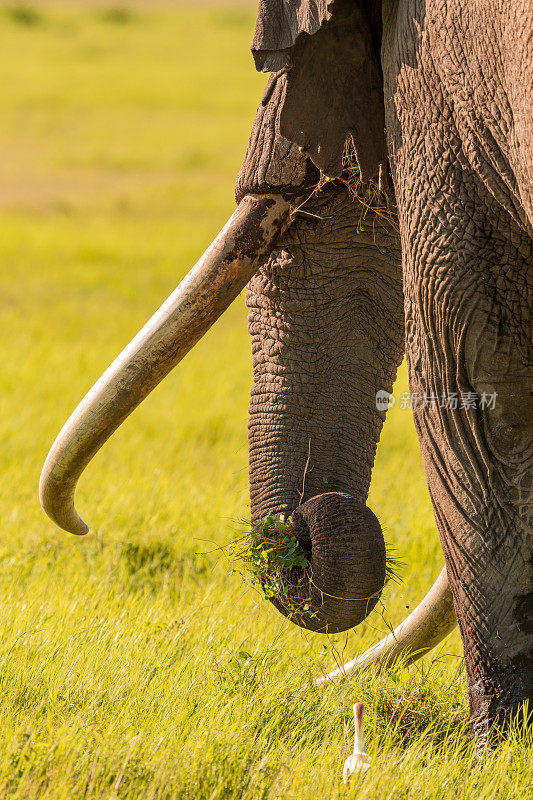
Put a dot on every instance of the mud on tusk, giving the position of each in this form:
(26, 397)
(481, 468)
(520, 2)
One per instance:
(203, 295)
(431, 621)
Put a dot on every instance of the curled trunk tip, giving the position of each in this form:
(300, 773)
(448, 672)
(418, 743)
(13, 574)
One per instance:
(346, 569)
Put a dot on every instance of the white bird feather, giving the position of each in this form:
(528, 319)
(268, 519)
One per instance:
(359, 761)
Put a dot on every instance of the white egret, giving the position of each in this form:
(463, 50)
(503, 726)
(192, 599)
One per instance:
(360, 760)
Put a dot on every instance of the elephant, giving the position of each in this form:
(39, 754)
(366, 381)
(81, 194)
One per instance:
(426, 106)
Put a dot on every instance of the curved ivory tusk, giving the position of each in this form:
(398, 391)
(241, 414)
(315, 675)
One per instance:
(431, 621)
(203, 295)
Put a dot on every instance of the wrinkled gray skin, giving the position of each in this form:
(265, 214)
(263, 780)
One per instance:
(320, 353)
(326, 313)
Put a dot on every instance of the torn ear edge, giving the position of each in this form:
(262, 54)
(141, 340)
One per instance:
(334, 88)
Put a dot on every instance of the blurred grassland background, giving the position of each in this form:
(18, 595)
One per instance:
(133, 664)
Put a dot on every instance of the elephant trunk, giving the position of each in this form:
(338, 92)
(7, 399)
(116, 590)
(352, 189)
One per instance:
(326, 318)
(203, 295)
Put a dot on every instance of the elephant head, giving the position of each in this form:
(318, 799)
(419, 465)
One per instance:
(325, 315)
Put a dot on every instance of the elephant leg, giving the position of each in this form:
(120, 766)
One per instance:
(470, 362)
(468, 284)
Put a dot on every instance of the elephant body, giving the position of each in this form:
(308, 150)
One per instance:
(435, 98)
(457, 99)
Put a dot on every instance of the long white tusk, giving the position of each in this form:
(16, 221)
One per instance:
(431, 621)
(203, 295)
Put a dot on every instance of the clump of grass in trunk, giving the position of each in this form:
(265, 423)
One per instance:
(273, 559)
(366, 193)
(393, 566)
(374, 203)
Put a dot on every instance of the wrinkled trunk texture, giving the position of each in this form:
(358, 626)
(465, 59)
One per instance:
(326, 324)
(463, 202)
(326, 319)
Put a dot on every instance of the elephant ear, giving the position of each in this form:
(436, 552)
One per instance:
(334, 83)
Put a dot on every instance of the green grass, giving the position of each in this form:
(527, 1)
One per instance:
(133, 665)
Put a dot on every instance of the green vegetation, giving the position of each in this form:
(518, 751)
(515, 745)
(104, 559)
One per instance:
(132, 664)
(274, 561)
(22, 13)
(120, 15)
(272, 551)
(368, 195)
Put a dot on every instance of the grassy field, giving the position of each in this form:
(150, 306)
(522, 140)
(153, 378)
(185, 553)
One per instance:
(133, 664)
